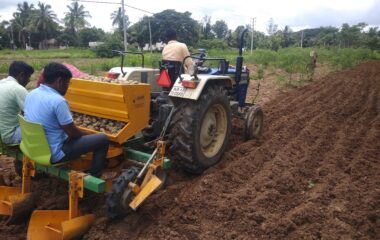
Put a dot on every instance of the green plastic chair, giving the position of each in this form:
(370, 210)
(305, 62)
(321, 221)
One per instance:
(33, 142)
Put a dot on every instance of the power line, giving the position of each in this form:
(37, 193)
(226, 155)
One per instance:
(139, 9)
(124, 23)
(95, 2)
(136, 8)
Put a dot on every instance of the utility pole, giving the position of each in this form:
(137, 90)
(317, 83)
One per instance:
(150, 35)
(12, 38)
(253, 27)
(302, 39)
(124, 26)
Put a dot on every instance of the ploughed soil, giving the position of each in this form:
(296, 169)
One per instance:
(315, 174)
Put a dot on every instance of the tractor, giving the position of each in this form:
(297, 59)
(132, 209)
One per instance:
(204, 102)
(188, 115)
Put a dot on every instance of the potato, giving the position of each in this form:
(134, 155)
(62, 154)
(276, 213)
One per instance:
(108, 80)
(99, 124)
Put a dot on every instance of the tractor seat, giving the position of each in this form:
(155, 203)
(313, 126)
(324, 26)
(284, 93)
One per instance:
(174, 68)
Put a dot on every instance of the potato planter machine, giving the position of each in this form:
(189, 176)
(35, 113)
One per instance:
(142, 172)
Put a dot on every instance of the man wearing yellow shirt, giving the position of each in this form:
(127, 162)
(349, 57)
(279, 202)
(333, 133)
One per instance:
(174, 50)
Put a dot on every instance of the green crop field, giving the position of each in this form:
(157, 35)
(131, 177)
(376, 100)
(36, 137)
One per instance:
(292, 60)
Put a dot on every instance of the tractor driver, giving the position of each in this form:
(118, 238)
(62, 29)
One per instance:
(12, 96)
(47, 106)
(174, 50)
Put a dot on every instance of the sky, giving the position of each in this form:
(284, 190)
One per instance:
(295, 13)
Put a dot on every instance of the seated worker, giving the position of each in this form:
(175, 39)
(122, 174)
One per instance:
(12, 96)
(47, 106)
(174, 50)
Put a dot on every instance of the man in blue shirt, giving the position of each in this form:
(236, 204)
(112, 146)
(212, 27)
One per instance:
(47, 106)
(12, 96)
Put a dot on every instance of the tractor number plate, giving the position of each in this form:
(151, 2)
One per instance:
(178, 91)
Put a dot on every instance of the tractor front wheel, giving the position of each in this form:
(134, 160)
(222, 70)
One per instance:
(254, 120)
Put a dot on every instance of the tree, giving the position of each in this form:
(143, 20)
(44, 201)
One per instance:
(112, 42)
(314, 36)
(139, 32)
(75, 19)
(351, 36)
(235, 36)
(117, 19)
(229, 37)
(220, 29)
(4, 37)
(206, 30)
(87, 35)
(22, 22)
(275, 41)
(66, 38)
(44, 21)
(373, 38)
(272, 27)
(328, 36)
(186, 27)
(260, 40)
(286, 39)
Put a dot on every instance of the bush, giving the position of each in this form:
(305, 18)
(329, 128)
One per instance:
(213, 44)
(105, 50)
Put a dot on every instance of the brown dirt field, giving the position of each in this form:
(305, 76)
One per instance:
(315, 174)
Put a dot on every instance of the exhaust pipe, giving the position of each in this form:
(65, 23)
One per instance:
(241, 91)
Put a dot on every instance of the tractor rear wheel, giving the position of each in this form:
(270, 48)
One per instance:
(200, 130)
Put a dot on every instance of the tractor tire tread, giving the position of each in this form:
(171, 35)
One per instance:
(119, 185)
(181, 129)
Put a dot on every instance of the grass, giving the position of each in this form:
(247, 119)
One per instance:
(69, 53)
(292, 60)
(84, 59)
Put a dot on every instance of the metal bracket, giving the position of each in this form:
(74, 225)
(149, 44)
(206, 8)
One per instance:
(28, 171)
(76, 190)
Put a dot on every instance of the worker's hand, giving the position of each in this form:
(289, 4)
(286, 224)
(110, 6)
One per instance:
(72, 131)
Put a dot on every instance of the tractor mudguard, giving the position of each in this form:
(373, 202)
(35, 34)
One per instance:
(179, 91)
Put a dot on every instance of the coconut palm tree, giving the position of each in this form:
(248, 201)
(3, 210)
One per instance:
(44, 20)
(117, 19)
(25, 10)
(4, 34)
(75, 19)
(22, 21)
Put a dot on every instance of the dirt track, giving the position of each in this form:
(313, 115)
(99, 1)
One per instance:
(314, 175)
